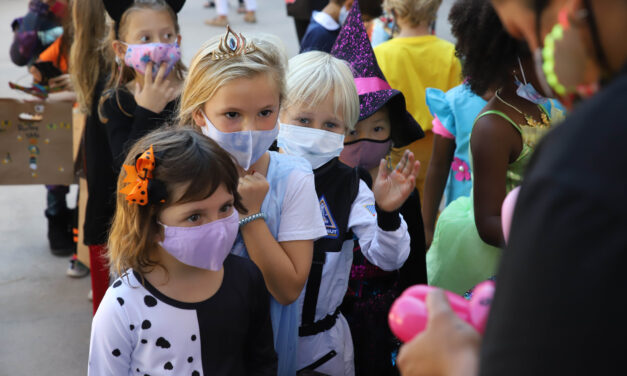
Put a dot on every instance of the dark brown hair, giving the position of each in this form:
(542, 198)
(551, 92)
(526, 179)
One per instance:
(183, 156)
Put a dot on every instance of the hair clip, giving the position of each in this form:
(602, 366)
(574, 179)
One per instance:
(232, 44)
(141, 187)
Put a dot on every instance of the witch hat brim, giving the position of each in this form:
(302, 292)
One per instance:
(353, 46)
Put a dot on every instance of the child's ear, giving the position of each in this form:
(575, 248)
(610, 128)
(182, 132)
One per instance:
(178, 40)
(119, 49)
(198, 118)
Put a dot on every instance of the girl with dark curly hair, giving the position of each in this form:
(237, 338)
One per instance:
(468, 235)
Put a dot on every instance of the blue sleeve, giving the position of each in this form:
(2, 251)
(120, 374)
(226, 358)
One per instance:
(318, 38)
(439, 106)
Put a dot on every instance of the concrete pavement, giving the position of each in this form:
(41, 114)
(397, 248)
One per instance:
(45, 316)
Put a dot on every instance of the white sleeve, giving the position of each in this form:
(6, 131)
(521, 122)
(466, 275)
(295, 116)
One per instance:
(301, 218)
(385, 249)
(110, 347)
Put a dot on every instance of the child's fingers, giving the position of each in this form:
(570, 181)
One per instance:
(409, 163)
(148, 74)
(400, 166)
(416, 169)
(383, 169)
(161, 73)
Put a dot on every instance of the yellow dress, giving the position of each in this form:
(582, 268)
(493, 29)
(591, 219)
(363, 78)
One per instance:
(411, 65)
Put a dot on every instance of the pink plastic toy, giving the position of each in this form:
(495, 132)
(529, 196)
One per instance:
(408, 315)
(507, 211)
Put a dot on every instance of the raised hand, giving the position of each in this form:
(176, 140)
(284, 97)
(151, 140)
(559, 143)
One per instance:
(253, 189)
(155, 94)
(392, 188)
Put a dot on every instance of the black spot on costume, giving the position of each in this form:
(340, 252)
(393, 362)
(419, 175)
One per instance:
(163, 343)
(150, 301)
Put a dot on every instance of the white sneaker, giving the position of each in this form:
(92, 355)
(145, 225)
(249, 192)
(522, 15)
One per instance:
(76, 269)
(90, 296)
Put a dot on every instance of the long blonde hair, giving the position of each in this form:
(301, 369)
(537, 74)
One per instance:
(86, 54)
(206, 76)
(183, 156)
(120, 74)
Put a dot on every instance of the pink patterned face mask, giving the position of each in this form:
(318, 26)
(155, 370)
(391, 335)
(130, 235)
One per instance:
(139, 55)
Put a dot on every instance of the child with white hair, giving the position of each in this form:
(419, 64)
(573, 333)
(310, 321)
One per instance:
(320, 107)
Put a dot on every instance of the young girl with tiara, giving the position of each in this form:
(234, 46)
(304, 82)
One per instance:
(468, 235)
(182, 305)
(233, 93)
(321, 106)
(383, 122)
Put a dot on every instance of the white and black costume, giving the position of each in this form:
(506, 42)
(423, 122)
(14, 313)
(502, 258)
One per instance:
(139, 331)
(349, 210)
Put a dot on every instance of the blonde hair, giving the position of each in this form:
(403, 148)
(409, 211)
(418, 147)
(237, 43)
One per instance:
(414, 11)
(120, 74)
(86, 54)
(313, 76)
(207, 76)
(182, 156)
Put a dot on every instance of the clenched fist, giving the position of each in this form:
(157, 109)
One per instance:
(253, 189)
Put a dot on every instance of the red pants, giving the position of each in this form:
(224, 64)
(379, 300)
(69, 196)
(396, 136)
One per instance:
(99, 273)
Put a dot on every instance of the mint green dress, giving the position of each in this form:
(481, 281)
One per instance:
(458, 259)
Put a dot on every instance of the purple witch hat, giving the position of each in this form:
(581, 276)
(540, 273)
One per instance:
(353, 45)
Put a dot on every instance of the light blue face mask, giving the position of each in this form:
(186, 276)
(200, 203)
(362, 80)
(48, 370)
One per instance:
(527, 91)
(343, 15)
(315, 145)
(245, 146)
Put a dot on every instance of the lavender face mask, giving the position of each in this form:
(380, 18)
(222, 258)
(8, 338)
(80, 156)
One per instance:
(365, 153)
(205, 246)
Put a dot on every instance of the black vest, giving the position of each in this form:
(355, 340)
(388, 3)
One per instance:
(337, 186)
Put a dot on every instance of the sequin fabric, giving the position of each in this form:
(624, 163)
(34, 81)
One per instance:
(353, 46)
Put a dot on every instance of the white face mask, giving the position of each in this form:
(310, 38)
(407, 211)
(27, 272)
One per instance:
(245, 146)
(315, 145)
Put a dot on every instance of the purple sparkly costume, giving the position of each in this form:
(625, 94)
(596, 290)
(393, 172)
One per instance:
(371, 291)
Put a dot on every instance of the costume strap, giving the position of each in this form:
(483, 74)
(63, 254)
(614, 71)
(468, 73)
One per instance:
(501, 114)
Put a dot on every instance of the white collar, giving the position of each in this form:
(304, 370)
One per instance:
(325, 21)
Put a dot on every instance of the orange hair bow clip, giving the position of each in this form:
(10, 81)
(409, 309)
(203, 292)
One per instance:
(138, 177)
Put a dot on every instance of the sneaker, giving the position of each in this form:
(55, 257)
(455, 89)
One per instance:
(90, 295)
(76, 269)
(250, 17)
(218, 21)
(209, 4)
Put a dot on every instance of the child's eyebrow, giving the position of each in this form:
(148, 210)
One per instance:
(147, 31)
(377, 121)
